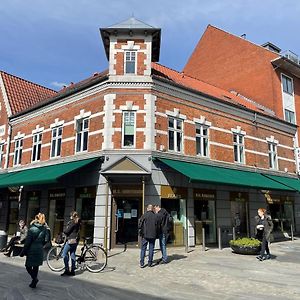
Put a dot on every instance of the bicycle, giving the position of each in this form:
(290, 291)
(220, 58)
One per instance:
(92, 257)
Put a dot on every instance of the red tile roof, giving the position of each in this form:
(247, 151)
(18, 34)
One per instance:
(203, 87)
(22, 93)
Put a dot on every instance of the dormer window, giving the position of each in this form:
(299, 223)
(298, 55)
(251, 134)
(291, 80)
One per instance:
(130, 62)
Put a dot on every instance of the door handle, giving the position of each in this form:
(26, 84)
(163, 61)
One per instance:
(117, 223)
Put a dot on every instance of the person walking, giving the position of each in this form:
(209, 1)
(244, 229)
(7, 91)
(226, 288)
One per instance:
(18, 238)
(163, 231)
(33, 247)
(72, 236)
(263, 229)
(148, 231)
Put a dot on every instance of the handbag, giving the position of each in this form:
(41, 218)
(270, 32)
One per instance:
(59, 238)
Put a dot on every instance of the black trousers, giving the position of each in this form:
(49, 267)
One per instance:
(11, 243)
(33, 272)
(264, 247)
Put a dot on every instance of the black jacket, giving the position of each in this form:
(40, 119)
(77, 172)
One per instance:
(268, 226)
(72, 230)
(148, 225)
(163, 221)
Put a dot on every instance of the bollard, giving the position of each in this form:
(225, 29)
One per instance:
(219, 238)
(233, 233)
(203, 239)
(292, 232)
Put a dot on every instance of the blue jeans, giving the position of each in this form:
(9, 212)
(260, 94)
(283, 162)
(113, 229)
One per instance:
(144, 248)
(163, 246)
(72, 249)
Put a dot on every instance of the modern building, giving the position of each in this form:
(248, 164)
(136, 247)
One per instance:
(143, 133)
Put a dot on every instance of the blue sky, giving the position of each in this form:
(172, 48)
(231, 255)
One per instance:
(55, 42)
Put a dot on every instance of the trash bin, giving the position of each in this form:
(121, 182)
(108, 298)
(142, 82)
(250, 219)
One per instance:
(3, 239)
(226, 235)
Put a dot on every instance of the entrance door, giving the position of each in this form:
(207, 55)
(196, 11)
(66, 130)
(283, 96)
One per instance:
(128, 212)
(13, 216)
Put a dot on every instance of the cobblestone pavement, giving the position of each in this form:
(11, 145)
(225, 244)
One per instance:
(212, 274)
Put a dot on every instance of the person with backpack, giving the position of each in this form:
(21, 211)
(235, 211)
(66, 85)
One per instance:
(164, 221)
(33, 249)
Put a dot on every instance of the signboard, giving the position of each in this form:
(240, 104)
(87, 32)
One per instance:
(171, 192)
(297, 151)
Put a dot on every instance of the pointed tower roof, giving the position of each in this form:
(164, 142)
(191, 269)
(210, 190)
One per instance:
(132, 27)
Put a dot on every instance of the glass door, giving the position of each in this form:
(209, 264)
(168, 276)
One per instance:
(33, 205)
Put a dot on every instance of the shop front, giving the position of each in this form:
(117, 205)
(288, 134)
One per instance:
(240, 213)
(205, 215)
(173, 199)
(126, 211)
(13, 212)
(85, 206)
(281, 209)
(57, 200)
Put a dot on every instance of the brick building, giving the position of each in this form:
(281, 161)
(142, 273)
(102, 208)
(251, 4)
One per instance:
(143, 133)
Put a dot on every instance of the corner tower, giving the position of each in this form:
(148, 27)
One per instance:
(130, 47)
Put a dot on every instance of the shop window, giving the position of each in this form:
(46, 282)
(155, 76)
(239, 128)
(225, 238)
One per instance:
(175, 134)
(130, 62)
(202, 140)
(273, 164)
(33, 205)
(13, 198)
(238, 148)
(56, 141)
(18, 152)
(128, 138)
(82, 133)
(36, 147)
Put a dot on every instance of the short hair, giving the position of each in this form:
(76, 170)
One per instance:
(149, 207)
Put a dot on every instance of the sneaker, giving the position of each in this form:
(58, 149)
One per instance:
(259, 257)
(150, 265)
(163, 262)
(65, 273)
(7, 254)
(142, 266)
(268, 256)
(72, 273)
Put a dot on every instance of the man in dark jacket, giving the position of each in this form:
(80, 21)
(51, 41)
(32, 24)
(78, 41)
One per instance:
(148, 232)
(163, 231)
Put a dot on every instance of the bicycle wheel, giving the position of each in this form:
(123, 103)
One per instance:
(95, 258)
(54, 259)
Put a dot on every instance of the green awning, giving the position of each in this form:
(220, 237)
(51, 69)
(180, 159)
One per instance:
(288, 181)
(217, 175)
(42, 175)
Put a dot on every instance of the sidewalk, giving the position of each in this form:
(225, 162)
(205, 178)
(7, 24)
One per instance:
(212, 274)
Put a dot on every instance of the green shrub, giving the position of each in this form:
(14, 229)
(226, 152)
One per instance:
(249, 242)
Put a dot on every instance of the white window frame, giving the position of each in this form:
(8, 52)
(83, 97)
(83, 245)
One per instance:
(283, 76)
(289, 113)
(36, 146)
(55, 142)
(81, 134)
(130, 61)
(273, 157)
(18, 151)
(202, 138)
(238, 148)
(175, 131)
(124, 113)
(1, 153)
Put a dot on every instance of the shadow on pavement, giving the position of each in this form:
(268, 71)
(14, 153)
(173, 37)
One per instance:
(14, 282)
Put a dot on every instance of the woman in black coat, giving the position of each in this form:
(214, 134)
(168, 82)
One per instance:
(263, 229)
(72, 235)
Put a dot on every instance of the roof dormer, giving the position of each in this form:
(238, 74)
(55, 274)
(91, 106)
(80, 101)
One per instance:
(130, 47)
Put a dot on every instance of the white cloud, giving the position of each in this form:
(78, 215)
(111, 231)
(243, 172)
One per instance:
(58, 85)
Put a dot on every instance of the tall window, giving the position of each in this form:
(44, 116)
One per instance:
(37, 146)
(238, 148)
(1, 154)
(272, 155)
(56, 141)
(287, 85)
(175, 134)
(128, 129)
(289, 116)
(18, 152)
(202, 140)
(130, 62)
(82, 127)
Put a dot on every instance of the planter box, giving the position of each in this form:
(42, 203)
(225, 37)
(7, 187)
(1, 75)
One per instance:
(247, 250)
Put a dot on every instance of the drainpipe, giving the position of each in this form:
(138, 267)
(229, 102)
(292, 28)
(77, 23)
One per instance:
(8, 146)
(143, 196)
(106, 218)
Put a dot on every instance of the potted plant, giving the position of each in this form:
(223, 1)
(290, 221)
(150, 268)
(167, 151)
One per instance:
(245, 245)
